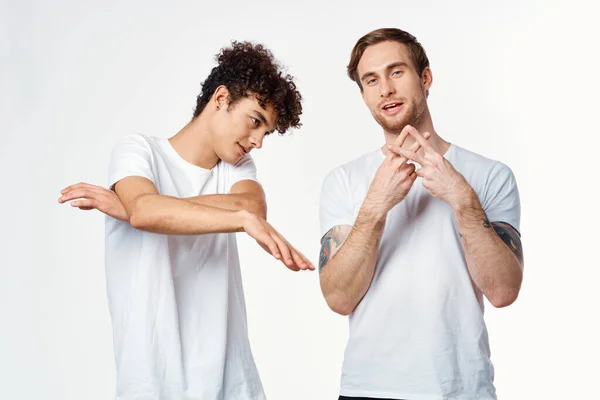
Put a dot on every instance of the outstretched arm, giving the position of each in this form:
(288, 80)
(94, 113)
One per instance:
(245, 195)
(136, 201)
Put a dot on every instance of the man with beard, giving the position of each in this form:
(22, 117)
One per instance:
(409, 253)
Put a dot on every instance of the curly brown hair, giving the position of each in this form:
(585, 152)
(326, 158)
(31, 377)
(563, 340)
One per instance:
(246, 68)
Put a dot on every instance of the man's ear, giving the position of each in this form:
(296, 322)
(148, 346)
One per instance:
(426, 80)
(221, 97)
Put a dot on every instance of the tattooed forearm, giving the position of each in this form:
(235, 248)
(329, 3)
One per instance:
(325, 252)
(331, 243)
(510, 236)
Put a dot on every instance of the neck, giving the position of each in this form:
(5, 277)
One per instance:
(193, 143)
(425, 125)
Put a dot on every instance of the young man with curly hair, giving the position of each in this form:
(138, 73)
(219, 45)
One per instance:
(173, 275)
(409, 253)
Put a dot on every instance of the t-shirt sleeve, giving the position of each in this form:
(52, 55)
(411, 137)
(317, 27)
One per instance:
(130, 157)
(335, 206)
(501, 202)
(245, 169)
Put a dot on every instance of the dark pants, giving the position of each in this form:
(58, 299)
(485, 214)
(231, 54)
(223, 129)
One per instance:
(362, 398)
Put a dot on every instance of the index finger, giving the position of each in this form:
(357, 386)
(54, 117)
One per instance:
(419, 138)
(301, 260)
(400, 141)
(284, 250)
(402, 137)
(414, 149)
(77, 186)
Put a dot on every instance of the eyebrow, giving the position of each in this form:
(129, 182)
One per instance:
(261, 117)
(387, 68)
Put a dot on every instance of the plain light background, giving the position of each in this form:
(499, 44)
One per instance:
(514, 81)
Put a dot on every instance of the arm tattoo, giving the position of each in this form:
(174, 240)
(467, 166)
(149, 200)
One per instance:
(511, 237)
(486, 224)
(333, 235)
(325, 251)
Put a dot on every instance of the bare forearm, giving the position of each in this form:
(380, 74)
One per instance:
(170, 215)
(494, 268)
(346, 278)
(233, 202)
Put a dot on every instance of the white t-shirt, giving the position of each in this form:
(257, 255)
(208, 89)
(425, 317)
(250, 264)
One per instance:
(419, 332)
(176, 301)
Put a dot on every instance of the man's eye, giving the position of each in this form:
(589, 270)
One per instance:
(255, 122)
(371, 81)
(398, 72)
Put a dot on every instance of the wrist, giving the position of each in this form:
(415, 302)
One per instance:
(467, 200)
(373, 212)
(242, 219)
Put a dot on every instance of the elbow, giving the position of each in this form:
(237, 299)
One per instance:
(338, 304)
(260, 209)
(335, 296)
(504, 297)
(503, 294)
(262, 212)
(341, 309)
(255, 206)
(138, 221)
(139, 218)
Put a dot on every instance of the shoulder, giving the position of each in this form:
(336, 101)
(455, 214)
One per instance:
(243, 166)
(477, 166)
(466, 157)
(135, 140)
(135, 148)
(356, 168)
(244, 162)
(494, 183)
(365, 162)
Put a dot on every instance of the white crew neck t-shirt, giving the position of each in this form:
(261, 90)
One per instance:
(419, 332)
(176, 301)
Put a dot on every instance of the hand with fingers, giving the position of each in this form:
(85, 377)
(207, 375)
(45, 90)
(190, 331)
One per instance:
(275, 244)
(439, 176)
(394, 177)
(90, 197)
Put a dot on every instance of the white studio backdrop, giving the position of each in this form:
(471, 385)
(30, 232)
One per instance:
(514, 81)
